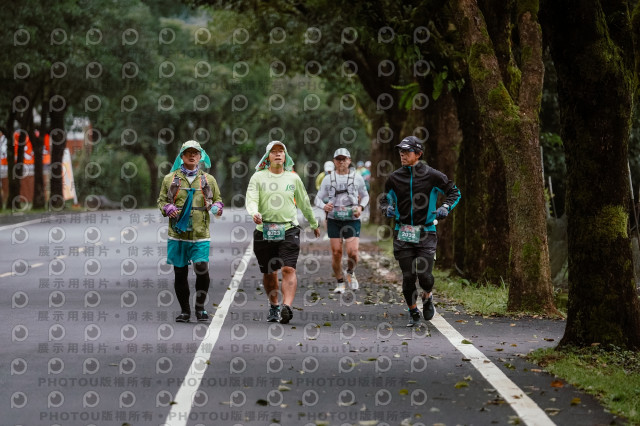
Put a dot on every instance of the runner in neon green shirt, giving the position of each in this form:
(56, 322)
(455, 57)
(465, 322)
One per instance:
(274, 194)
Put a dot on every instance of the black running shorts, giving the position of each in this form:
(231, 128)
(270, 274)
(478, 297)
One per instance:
(273, 255)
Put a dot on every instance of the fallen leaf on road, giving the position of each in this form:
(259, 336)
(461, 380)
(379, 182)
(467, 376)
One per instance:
(557, 384)
(552, 411)
(575, 401)
(461, 385)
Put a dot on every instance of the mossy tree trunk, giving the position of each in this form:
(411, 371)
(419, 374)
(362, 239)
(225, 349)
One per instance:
(447, 137)
(481, 249)
(508, 93)
(592, 48)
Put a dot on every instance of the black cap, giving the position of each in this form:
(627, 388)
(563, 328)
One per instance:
(411, 142)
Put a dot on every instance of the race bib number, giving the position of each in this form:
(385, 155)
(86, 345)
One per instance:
(273, 231)
(345, 213)
(409, 233)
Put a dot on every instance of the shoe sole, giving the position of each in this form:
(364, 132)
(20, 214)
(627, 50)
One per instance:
(434, 313)
(181, 320)
(285, 315)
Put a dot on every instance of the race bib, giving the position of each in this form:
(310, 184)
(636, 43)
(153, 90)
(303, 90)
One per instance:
(409, 233)
(273, 231)
(344, 213)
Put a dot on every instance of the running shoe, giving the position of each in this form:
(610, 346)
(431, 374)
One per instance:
(274, 314)
(340, 288)
(428, 308)
(285, 314)
(183, 317)
(414, 317)
(202, 316)
(353, 282)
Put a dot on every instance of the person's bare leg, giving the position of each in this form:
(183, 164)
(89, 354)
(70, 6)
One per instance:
(270, 282)
(352, 244)
(289, 284)
(336, 257)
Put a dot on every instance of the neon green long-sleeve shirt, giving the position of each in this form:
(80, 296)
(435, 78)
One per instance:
(276, 196)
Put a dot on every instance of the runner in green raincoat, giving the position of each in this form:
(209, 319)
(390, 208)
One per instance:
(187, 195)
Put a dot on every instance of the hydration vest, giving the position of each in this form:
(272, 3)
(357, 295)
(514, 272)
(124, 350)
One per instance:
(172, 193)
(351, 187)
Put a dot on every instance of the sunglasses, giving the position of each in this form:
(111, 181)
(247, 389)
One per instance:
(341, 158)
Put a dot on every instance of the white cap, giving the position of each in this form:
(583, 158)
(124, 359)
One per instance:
(274, 143)
(341, 151)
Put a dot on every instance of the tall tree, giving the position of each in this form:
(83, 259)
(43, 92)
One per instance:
(592, 46)
(506, 86)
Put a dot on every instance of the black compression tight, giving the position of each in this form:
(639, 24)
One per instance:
(181, 285)
(413, 269)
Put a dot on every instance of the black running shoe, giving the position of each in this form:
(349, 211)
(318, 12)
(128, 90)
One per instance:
(183, 317)
(414, 318)
(428, 309)
(202, 316)
(274, 314)
(285, 314)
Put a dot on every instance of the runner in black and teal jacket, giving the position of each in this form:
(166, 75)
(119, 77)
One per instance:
(410, 197)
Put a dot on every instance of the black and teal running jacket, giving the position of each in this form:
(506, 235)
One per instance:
(413, 191)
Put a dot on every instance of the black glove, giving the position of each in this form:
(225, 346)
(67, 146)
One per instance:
(442, 212)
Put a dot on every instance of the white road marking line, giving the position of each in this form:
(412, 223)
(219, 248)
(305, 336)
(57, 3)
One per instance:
(179, 414)
(16, 225)
(528, 411)
(36, 265)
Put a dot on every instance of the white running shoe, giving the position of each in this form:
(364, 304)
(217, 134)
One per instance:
(353, 281)
(340, 288)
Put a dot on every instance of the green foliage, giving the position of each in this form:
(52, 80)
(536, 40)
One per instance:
(408, 91)
(438, 83)
(480, 299)
(610, 374)
(113, 173)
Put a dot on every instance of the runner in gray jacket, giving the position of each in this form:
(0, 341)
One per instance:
(347, 196)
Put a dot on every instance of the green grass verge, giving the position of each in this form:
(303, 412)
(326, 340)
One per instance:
(477, 299)
(613, 375)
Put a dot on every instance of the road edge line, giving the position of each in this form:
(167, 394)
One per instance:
(178, 416)
(526, 408)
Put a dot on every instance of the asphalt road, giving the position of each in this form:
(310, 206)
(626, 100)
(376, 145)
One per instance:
(89, 337)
